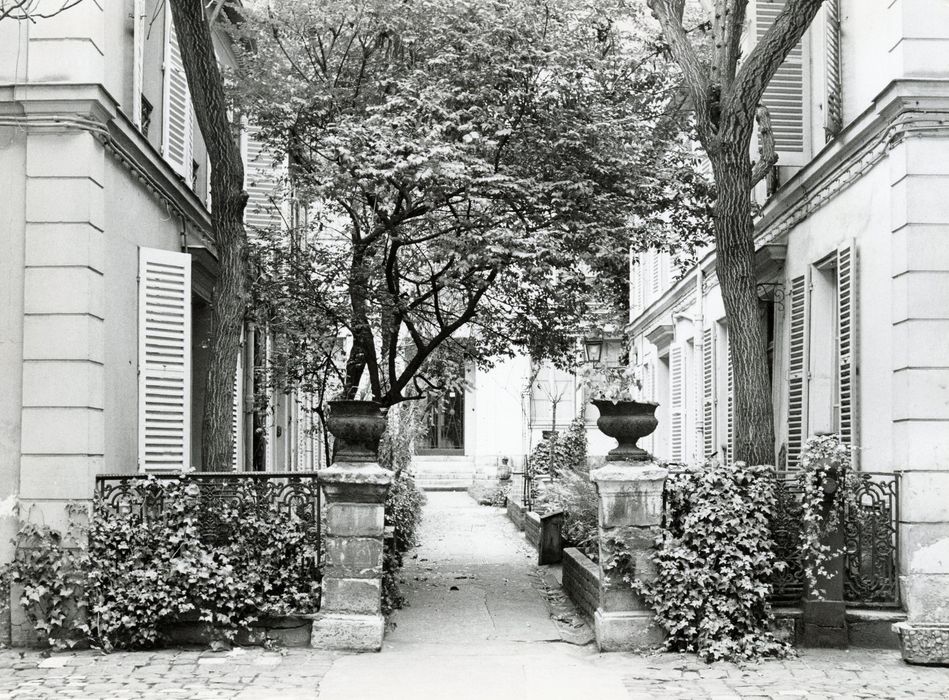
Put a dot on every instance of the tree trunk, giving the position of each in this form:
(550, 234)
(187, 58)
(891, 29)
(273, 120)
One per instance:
(228, 197)
(735, 265)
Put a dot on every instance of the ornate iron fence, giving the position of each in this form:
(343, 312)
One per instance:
(871, 552)
(871, 542)
(295, 494)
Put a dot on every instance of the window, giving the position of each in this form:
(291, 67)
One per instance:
(164, 360)
(822, 346)
(553, 398)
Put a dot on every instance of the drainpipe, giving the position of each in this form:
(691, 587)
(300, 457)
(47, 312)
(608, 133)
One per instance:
(700, 351)
(249, 393)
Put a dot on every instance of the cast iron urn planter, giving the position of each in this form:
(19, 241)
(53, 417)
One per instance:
(627, 421)
(357, 426)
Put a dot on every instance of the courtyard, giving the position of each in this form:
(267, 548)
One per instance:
(477, 624)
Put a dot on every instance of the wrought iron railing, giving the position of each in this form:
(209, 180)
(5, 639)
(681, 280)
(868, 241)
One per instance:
(294, 494)
(522, 487)
(871, 543)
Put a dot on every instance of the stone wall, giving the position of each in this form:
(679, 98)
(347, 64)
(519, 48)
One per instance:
(581, 581)
(532, 528)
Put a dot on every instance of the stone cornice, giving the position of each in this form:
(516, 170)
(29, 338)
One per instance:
(89, 107)
(904, 109)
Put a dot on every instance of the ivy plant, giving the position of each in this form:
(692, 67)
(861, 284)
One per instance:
(714, 559)
(829, 488)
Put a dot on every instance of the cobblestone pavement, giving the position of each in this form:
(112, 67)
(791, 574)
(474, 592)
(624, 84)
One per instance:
(813, 674)
(242, 673)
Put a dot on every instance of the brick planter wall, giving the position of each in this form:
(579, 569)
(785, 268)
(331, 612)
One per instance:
(581, 581)
(532, 528)
(515, 511)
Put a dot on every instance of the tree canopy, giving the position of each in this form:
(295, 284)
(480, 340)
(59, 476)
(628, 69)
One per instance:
(462, 167)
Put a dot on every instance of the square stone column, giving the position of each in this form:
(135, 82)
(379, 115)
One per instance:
(629, 498)
(350, 616)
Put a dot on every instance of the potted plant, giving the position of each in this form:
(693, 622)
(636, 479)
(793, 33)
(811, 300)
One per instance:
(623, 416)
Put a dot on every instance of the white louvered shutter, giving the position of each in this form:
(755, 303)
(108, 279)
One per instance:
(847, 342)
(261, 179)
(708, 390)
(237, 412)
(164, 360)
(833, 86)
(730, 425)
(677, 403)
(797, 369)
(178, 133)
(635, 287)
(784, 95)
(655, 275)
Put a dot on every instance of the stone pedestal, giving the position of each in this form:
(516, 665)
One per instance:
(350, 616)
(630, 504)
(825, 617)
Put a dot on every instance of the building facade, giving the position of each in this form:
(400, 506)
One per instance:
(853, 272)
(108, 264)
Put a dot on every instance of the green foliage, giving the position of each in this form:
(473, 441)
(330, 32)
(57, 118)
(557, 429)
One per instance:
(468, 163)
(403, 513)
(825, 466)
(51, 571)
(143, 570)
(569, 451)
(571, 489)
(714, 558)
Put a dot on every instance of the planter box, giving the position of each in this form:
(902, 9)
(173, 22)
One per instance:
(516, 512)
(581, 581)
(924, 642)
(532, 528)
(287, 631)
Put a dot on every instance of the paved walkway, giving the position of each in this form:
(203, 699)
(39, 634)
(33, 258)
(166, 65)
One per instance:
(490, 638)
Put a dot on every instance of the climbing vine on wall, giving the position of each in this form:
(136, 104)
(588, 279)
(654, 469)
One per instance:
(714, 558)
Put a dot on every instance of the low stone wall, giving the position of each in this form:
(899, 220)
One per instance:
(515, 511)
(581, 581)
(532, 528)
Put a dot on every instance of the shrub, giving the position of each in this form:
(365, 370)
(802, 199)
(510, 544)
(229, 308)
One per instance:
(569, 451)
(403, 513)
(145, 568)
(403, 506)
(715, 558)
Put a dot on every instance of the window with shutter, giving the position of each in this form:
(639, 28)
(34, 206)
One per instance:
(708, 390)
(677, 403)
(797, 370)
(635, 287)
(261, 174)
(178, 136)
(847, 341)
(784, 95)
(164, 360)
(833, 87)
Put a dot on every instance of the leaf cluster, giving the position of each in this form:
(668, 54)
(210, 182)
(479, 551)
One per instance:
(714, 558)
(145, 568)
(461, 163)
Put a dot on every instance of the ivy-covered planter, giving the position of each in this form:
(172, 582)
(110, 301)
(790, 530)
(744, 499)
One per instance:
(358, 427)
(627, 422)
